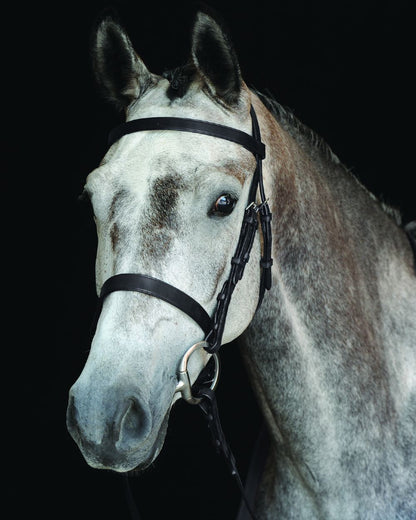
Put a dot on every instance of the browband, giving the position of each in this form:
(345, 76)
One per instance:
(195, 126)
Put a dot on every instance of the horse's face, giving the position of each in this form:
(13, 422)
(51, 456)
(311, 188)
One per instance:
(169, 205)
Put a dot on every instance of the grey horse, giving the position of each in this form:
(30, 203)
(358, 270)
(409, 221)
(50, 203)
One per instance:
(331, 352)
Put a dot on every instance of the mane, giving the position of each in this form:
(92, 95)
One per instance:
(307, 138)
(316, 146)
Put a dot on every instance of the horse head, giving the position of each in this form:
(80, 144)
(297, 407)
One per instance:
(169, 205)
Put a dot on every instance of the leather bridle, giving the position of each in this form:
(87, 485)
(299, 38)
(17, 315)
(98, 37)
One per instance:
(213, 327)
(202, 392)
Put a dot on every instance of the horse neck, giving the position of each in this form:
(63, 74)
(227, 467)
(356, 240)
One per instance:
(319, 350)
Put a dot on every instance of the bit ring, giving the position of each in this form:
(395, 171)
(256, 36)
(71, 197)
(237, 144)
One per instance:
(184, 385)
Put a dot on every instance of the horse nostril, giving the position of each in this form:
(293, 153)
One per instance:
(108, 430)
(134, 426)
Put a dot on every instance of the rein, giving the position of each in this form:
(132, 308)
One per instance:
(202, 393)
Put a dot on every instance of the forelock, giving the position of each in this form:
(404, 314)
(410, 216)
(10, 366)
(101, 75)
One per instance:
(180, 79)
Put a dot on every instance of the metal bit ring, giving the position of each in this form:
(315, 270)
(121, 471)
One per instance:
(184, 385)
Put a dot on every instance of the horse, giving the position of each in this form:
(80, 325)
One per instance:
(331, 352)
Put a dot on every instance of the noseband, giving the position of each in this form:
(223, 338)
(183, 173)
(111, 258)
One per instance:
(213, 327)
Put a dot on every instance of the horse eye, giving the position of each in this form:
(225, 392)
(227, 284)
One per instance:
(224, 205)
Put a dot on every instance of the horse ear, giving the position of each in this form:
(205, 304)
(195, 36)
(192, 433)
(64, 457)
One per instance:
(214, 57)
(121, 74)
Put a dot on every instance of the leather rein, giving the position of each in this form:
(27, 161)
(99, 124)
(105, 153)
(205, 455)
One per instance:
(202, 393)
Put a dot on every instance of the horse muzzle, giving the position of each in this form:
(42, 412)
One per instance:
(119, 434)
(116, 430)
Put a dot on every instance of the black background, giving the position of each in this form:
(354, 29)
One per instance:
(347, 71)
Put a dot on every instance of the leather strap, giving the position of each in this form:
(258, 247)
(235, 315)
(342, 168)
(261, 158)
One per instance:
(195, 126)
(238, 264)
(255, 472)
(243, 249)
(209, 406)
(266, 261)
(162, 290)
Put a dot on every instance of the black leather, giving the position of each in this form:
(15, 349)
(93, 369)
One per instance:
(243, 249)
(209, 407)
(154, 287)
(195, 126)
(255, 472)
(238, 264)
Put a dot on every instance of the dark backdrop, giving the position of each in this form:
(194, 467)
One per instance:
(346, 69)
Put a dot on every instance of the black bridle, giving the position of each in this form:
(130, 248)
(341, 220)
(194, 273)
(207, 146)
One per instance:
(213, 327)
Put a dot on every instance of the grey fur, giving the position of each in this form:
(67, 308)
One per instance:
(331, 352)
